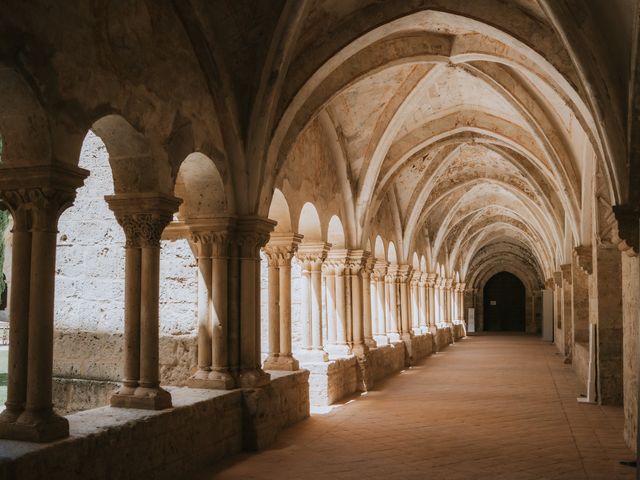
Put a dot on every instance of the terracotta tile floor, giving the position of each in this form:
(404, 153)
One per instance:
(490, 407)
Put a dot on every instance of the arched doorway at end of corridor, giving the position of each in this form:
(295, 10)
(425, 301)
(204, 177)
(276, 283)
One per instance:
(504, 304)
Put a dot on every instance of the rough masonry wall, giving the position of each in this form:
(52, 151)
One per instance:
(630, 309)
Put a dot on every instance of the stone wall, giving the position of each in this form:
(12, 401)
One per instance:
(421, 347)
(630, 309)
(581, 363)
(332, 381)
(72, 395)
(386, 360)
(203, 427)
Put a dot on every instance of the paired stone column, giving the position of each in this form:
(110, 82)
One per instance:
(415, 302)
(143, 217)
(392, 304)
(251, 234)
(334, 269)
(369, 294)
(311, 256)
(567, 312)
(423, 304)
(356, 265)
(448, 301)
(581, 268)
(212, 242)
(380, 302)
(460, 302)
(440, 301)
(404, 283)
(280, 251)
(36, 197)
(432, 301)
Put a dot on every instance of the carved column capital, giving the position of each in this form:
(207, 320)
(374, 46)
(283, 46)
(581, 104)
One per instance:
(312, 254)
(37, 196)
(336, 262)
(251, 234)
(143, 216)
(357, 261)
(566, 272)
(281, 248)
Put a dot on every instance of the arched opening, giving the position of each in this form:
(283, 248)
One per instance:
(504, 304)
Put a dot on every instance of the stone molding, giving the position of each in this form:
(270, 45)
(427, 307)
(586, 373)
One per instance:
(628, 219)
(566, 272)
(312, 252)
(584, 258)
(281, 248)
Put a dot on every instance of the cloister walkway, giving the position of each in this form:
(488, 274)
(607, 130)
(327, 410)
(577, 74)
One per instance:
(489, 407)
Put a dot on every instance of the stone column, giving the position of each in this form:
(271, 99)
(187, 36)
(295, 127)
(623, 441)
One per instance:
(404, 282)
(312, 256)
(335, 268)
(379, 276)
(280, 251)
(368, 312)
(357, 265)
(567, 312)
(581, 268)
(423, 304)
(251, 234)
(460, 302)
(415, 302)
(143, 217)
(432, 301)
(607, 276)
(36, 197)
(391, 284)
(448, 301)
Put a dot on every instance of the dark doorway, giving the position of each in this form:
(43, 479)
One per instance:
(504, 299)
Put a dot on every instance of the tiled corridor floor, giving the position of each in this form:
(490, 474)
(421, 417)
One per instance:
(489, 407)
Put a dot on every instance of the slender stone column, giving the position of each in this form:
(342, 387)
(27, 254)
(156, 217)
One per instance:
(448, 302)
(251, 234)
(432, 300)
(336, 264)
(379, 276)
(404, 282)
(440, 302)
(368, 313)
(143, 218)
(36, 197)
(391, 280)
(423, 303)
(415, 302)
(312, 256)
(567, 312)
(280, 251)
(581, 268)
(357, 265)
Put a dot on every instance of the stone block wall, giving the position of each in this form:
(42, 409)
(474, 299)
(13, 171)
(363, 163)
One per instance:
(631, 320)
(421, 347)
(331, 381)
(581, 363)
(203, 427)
(386, 360)
(72, 395)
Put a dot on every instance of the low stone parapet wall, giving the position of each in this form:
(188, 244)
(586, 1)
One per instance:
(331, 381)
(386, 360)
(203, 426)
(421, 347)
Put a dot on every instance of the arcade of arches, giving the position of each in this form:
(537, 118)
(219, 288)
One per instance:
(225, 213)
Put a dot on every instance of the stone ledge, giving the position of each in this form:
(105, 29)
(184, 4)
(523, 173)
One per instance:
(202, 427)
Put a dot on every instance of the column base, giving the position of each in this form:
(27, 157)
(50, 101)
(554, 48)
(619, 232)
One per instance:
(360, 350)
(312, 356)
(253, 378)
(339, 351)
(381, 340)
(144, 398)
(417, 331)
(212, 380)
(281, 362)
(35, 427)
(406, 337)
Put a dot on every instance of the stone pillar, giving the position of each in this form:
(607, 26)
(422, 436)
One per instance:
(356, 265)
(415, 302)
(36, 197)
(581, 268)
(607, 276)
(312, 256)
(251, 234)
(391, 284)
(423, 304)
(212, 240)
(334, 269)
(441, 307)
(567, 312)
(432, 301)
(460, 302)
(404, 283)
(379, 276)
(279, 252)
(368, 312)
(143, 217)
